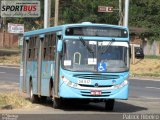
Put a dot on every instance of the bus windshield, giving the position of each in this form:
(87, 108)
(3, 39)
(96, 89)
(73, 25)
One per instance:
(95, 56)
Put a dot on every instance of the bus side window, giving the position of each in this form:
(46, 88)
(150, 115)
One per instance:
(36, 48)
(44, 54)
(45, 42)
(29, 54)
(49, 47)
(52, 46)
(33, 49)
(51, 57)
(30, 49)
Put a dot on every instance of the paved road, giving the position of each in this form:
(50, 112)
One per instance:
(138, 88)
(144, 97)
(144, 89)
(9, 74)
(9, 78)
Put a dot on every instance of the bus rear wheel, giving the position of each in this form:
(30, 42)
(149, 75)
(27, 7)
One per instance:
(109, 105)
(33, 98)
(57, 103)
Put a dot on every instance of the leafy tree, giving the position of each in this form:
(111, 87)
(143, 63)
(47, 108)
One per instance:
(146, 14)
(75, 11)
(142, 13)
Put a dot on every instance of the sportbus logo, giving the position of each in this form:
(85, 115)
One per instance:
(20, 8)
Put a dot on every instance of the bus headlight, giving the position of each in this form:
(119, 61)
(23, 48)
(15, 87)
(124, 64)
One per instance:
(121, 85)
(69, 83)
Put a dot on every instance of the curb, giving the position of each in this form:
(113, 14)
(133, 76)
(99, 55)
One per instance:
(145, 78)
(10, 65)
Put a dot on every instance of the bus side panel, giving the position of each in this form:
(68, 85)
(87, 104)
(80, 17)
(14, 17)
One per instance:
(45, 87)
(34, 77)
(31, 76)
(28, 75)
(47, 74)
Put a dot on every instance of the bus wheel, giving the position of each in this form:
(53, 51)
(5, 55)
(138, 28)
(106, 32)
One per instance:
(57, 103)
(33, 98)
(109, 104)
(43, 99)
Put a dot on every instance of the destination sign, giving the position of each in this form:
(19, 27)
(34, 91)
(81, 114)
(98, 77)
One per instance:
(97, 31)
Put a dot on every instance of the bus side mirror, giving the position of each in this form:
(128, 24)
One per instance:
(59, 46)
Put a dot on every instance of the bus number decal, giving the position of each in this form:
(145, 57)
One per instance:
(81, 81)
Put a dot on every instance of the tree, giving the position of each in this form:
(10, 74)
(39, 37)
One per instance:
(76, 11)
(146, 14)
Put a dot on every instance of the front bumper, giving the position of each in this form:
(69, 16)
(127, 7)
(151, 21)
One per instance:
(66, 91)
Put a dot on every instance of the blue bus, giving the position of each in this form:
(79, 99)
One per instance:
(85, 62)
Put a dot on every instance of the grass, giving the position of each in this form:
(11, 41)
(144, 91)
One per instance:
(13, 101)
(13, 59)
(146, 67)
(150, 66)
(151, 57)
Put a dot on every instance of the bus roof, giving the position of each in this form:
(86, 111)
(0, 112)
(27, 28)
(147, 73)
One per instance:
(61, 27)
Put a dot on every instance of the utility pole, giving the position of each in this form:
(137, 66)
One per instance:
(126, 10)
(120, 12)
(56, 12)
(46, 11)
(49, 12)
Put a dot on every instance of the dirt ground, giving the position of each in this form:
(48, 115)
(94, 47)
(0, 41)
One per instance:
(10, 60)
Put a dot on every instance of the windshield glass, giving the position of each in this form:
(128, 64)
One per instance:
(94, 56)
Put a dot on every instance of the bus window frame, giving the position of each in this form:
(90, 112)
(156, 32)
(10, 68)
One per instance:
(33, 45)
(49, 47)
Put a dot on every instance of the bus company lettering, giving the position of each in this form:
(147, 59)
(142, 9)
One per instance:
(20, 8)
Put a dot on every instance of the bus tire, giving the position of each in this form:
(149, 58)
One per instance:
(33, 98)
(57, 103)
(109, 105)
(43, 99)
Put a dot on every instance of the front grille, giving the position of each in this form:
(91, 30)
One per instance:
(96, 76)
(96, 95)
(84, 85)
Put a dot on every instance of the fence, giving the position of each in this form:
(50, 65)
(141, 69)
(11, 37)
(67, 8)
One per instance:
(8, 40)
(151, 49)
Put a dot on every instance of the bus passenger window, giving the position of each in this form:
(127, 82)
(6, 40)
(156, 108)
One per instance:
(35, 54)
(44, 53)
(29, 54)
(51, 53)
(52, 44)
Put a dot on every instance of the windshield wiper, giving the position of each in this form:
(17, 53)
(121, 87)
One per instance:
(106, 49)
(86, 45)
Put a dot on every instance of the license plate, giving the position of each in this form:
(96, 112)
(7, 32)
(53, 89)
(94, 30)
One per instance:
(96, 93)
